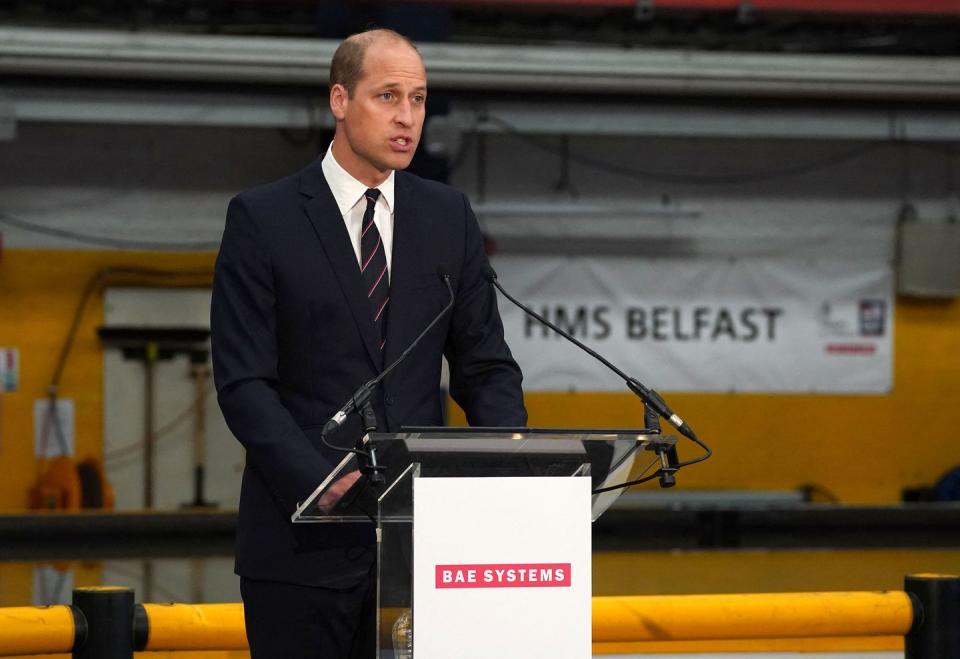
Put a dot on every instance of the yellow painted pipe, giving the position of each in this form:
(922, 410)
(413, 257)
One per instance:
(33, 630)
(741, 646)
(619, 619)
(761, 615)
(195, 627)
(36, 630)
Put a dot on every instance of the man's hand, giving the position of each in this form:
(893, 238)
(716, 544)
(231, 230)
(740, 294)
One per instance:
(336, 491)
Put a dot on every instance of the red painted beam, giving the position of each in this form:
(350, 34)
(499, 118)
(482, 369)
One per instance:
(850, 7)
(889, 7)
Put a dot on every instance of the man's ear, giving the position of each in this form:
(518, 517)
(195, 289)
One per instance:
(338, 101)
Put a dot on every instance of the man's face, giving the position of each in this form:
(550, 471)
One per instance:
(379, 127)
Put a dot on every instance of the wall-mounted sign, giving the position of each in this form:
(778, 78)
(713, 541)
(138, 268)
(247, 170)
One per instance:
(757, 324)
(9, 369)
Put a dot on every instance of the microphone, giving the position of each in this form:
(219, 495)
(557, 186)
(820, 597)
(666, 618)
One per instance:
(360, 400)
(651, 399)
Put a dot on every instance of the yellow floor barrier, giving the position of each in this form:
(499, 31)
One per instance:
(194, 627)
(36, 629)
(923, 620)
(768, 615)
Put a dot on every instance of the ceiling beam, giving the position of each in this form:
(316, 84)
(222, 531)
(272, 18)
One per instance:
(244, 61)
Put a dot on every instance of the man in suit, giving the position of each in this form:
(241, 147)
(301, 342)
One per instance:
(323, 278)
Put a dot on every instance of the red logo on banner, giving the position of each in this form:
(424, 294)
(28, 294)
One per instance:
(851, 348)
(504, 575)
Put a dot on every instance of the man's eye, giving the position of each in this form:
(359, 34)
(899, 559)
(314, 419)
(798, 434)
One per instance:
(419, 98)
(387, 96)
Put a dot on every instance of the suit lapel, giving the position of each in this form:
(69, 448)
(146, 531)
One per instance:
(406, 248)
(327, 221)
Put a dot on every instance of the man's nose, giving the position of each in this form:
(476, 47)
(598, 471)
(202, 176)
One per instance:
(405, 114)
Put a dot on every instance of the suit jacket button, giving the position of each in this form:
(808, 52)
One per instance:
(390, 400)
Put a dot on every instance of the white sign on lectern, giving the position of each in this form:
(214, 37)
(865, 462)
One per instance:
(502, 568)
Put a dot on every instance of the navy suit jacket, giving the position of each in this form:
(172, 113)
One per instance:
(293, 338)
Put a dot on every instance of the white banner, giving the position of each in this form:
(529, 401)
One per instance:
(749, 325)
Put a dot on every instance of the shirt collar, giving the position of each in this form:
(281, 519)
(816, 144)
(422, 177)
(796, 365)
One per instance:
(347, 190)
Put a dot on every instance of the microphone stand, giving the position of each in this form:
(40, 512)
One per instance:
(668, 455)
(654, 405)
(370, 467)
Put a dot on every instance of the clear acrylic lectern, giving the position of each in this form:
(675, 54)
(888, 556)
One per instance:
(606, 457)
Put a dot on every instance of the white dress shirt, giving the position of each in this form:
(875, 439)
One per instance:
(351, 199)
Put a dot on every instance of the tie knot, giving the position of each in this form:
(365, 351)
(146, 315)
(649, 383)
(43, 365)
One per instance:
(372, 195)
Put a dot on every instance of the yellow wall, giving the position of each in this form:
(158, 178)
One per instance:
(864, 449)
(39, 291)
(763, 570)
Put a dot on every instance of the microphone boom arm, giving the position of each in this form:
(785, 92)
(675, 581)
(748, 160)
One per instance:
(650, 398)
(360, 401)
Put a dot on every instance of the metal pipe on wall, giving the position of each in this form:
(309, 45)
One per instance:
(482, 68)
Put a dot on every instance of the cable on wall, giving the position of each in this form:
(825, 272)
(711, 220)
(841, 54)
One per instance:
(132, 449)
(738, 178)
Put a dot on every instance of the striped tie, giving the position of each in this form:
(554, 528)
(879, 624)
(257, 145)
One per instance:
(373, 267)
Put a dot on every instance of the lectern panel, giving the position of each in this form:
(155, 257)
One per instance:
(605, 458)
